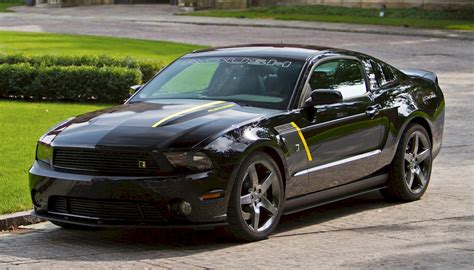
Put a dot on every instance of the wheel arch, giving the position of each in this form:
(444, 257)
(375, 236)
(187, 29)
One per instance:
(278, 160)
(422, 121)
(270, 148)
(416, 117)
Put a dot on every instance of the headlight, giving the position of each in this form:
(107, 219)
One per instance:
(44, 152)
(190, 160)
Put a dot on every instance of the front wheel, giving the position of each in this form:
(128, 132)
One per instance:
(410, 170)
(257, 199)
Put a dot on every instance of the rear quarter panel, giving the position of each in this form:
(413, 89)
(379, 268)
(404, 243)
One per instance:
(412, 99)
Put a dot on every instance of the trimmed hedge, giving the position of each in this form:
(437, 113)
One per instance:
(69, 83)
(147, 68)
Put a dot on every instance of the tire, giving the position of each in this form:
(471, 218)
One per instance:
(69, 226)
(257, 199)
(410, 170)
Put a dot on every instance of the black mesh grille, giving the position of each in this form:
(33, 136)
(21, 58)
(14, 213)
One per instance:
(113, 210)
(105, 162)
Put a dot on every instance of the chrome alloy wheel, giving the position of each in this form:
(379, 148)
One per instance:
(259, 196)
(417, 162)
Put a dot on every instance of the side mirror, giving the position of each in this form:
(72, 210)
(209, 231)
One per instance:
(134, 89)
(323, 97)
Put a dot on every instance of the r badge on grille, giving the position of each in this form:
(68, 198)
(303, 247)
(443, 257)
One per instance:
(141, 164)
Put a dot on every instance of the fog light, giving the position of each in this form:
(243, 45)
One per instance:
(37, 200)
(185, 208)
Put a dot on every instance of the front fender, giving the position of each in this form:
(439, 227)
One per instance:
(230, 150)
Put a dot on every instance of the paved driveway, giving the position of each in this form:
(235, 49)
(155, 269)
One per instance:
(363, 232)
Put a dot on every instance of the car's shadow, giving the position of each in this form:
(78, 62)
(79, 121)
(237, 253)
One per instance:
(54, 243)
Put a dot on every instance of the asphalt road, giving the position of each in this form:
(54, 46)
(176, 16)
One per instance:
(363, 232)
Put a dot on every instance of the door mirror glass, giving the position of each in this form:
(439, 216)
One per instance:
(323, 97)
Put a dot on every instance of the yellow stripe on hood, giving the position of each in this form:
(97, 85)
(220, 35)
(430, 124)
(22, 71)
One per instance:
(221, 107)
(195, 108)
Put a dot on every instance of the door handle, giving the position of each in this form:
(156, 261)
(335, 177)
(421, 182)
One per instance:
(372, 111)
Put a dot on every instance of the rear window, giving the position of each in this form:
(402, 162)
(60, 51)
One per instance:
(384, 74)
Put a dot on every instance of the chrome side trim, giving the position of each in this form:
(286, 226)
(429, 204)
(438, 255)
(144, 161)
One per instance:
(339, 162)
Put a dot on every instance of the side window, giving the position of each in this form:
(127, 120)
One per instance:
(383, 73)
(343, 75)
(369, 70)
(388, 73)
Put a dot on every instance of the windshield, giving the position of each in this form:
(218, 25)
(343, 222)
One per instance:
(259, 82)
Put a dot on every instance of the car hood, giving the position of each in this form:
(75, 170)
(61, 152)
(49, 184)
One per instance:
(155, 124)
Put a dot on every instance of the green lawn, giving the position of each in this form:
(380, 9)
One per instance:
(412, 17)
(22, 123)
(4, 4)
(57, 44)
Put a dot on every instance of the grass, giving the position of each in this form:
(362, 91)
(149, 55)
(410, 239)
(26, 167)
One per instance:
(60, 44)
(412, 17)
(5, 4)
(22, 123)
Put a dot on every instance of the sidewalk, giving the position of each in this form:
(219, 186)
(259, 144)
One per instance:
(150, 14)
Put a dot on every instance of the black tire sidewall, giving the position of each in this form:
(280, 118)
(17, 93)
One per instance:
(398, 172)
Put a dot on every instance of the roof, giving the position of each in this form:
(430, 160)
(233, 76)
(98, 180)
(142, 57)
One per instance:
(291, 51)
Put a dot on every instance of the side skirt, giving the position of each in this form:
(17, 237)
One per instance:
(318, 198)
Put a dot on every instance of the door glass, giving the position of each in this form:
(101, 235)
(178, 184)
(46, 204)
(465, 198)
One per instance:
(342, 75)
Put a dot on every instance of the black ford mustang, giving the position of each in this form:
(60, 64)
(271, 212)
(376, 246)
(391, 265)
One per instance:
(238, 136)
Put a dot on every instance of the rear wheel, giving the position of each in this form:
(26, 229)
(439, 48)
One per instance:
(410, 170)
(257, 199)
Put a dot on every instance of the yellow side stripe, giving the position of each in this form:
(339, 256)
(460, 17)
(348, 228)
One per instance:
(303, 140)
(195, 108)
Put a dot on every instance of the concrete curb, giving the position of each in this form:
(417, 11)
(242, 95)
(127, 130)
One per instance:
(12, 221)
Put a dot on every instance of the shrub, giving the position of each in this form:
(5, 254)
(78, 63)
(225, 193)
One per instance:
(16, 78)
(147, 68)
(69, 83)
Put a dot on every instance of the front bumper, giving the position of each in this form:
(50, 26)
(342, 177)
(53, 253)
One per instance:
(105, 201)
